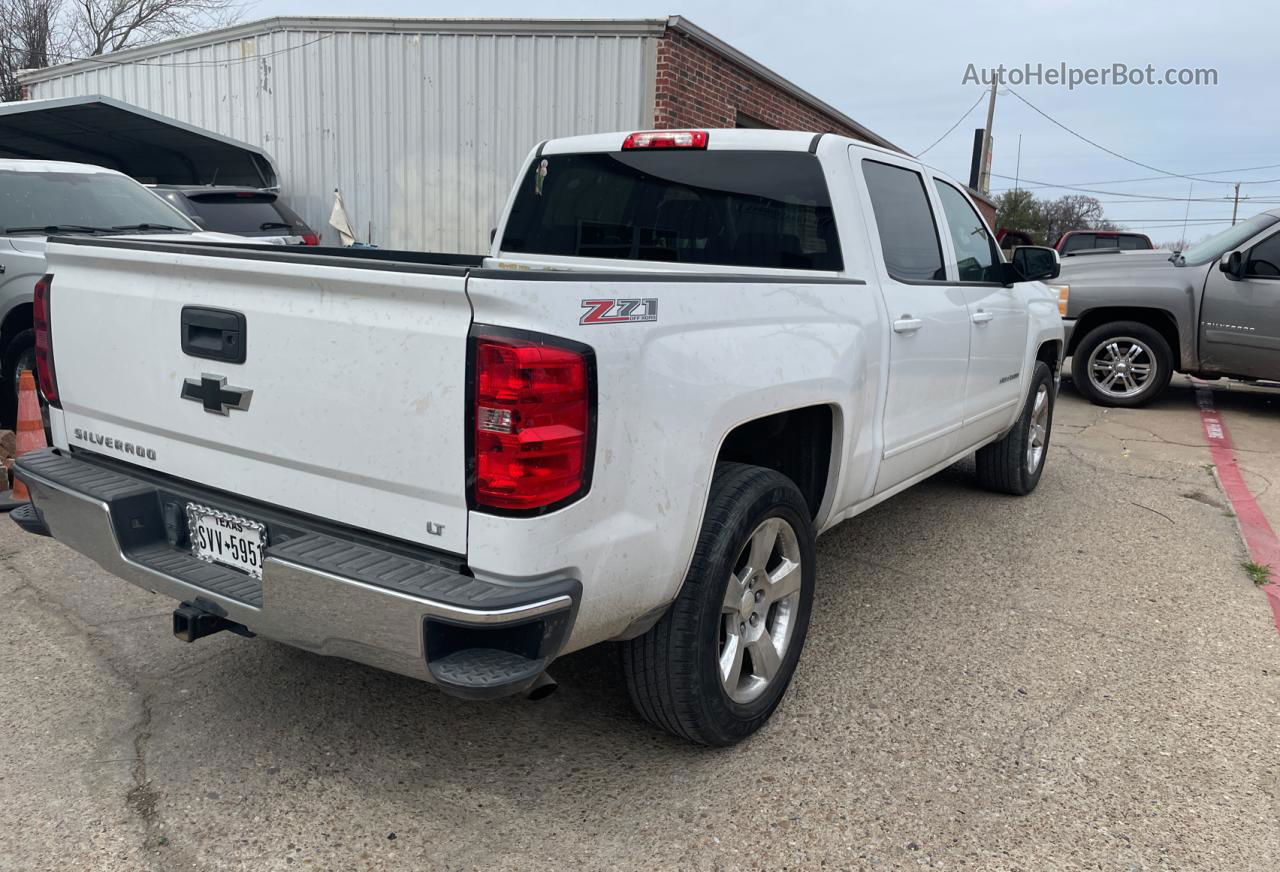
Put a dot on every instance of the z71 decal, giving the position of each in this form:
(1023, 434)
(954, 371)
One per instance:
(619, 311)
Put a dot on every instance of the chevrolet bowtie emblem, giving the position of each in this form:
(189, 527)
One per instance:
(213, 393)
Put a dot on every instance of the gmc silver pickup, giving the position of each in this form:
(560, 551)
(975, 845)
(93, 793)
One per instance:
(687, 354)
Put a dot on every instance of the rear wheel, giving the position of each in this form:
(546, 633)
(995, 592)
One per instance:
(717, 664)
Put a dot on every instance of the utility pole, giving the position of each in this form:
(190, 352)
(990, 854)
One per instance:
(1235, 205)
(1017, 172)
(984, 165)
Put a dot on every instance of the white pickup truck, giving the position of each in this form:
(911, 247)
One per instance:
(688, 353)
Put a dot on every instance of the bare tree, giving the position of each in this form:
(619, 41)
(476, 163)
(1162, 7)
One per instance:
(30, 36)
(1046, 220)
(38, 33)
(96, 27)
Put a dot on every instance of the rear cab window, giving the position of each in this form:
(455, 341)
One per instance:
(1093, 241)
(760, 209)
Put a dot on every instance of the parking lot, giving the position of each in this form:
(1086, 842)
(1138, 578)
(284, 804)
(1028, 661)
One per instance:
(1085, 678)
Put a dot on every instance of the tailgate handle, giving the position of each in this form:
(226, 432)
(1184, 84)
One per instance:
(213, 334)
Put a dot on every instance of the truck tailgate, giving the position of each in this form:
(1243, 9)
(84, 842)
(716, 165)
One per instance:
(357, 377)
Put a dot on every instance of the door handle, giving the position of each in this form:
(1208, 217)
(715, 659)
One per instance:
(907, 324)
(981, 317)
(214, 334)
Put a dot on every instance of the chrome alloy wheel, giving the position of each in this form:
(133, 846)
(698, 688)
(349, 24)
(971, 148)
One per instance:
(1122, 366)
(1038, 433)
(758, 617)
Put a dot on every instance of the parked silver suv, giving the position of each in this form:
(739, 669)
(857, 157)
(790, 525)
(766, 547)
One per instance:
(39, 199)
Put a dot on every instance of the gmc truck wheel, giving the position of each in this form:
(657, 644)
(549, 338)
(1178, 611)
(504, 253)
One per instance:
(716, 665)
(1125, 363)
(1013, 464)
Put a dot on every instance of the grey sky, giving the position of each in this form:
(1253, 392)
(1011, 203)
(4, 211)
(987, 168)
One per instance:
(897, 68)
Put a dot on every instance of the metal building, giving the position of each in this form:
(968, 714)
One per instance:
(422, 123)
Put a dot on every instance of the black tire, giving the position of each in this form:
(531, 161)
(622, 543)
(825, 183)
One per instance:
(672, 671)
(1098, 338)
(1006, 466)
(20, 347)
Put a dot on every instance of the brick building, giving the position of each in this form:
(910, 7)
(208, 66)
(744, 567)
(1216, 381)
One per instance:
(704, 82)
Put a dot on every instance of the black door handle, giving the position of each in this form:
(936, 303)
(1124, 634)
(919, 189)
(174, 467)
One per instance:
(214, 334)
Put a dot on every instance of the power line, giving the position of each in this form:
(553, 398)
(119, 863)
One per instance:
(1092, 190)
(1156, 198)
(1172, 220)
(1163, 178)
(957, 124)
(1176, 224)
(1112, 152)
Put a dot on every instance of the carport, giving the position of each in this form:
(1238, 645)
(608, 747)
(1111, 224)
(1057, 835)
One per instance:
(151, 148)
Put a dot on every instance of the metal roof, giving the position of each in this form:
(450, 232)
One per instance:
(105, 132)
(654, 27)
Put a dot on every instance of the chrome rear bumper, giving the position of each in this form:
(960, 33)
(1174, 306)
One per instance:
(343, 597)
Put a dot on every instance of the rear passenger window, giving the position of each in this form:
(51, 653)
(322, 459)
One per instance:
(976, 255)
(908, 235)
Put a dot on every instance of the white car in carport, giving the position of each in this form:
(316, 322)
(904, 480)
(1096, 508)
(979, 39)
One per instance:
(39, 199)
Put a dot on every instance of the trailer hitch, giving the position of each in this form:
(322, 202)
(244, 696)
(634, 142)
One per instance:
(191, 622)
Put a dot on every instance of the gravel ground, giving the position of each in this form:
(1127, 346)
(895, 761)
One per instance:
(1084, 678)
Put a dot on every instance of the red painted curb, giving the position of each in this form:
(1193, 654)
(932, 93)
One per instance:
(1259, 538)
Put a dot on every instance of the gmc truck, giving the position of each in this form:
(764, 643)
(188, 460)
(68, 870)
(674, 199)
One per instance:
(1211, 311)
(686, 355)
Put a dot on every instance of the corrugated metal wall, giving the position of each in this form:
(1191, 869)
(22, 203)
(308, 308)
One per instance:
(423, 132)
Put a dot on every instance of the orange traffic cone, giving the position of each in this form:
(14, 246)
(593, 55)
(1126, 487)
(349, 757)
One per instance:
(30, 436)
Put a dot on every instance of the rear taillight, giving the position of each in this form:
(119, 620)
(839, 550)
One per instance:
(531, 420)
(310, 239)
(45, 374)
(666, 139)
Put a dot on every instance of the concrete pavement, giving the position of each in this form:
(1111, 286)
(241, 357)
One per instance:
(1084, 678)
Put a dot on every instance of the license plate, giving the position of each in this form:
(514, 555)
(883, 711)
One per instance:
(217, 537)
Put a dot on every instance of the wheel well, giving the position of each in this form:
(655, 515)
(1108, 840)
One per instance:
(1051, 354)
(796, 443)
(1157, 319)
(14, 323)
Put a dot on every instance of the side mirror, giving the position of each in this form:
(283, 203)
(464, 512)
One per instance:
(1233, 265)
(200, 222)
(1035, 263)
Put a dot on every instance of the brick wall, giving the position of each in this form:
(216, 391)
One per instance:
(697, 87)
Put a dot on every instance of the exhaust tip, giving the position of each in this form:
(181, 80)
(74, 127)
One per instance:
(543, 686)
